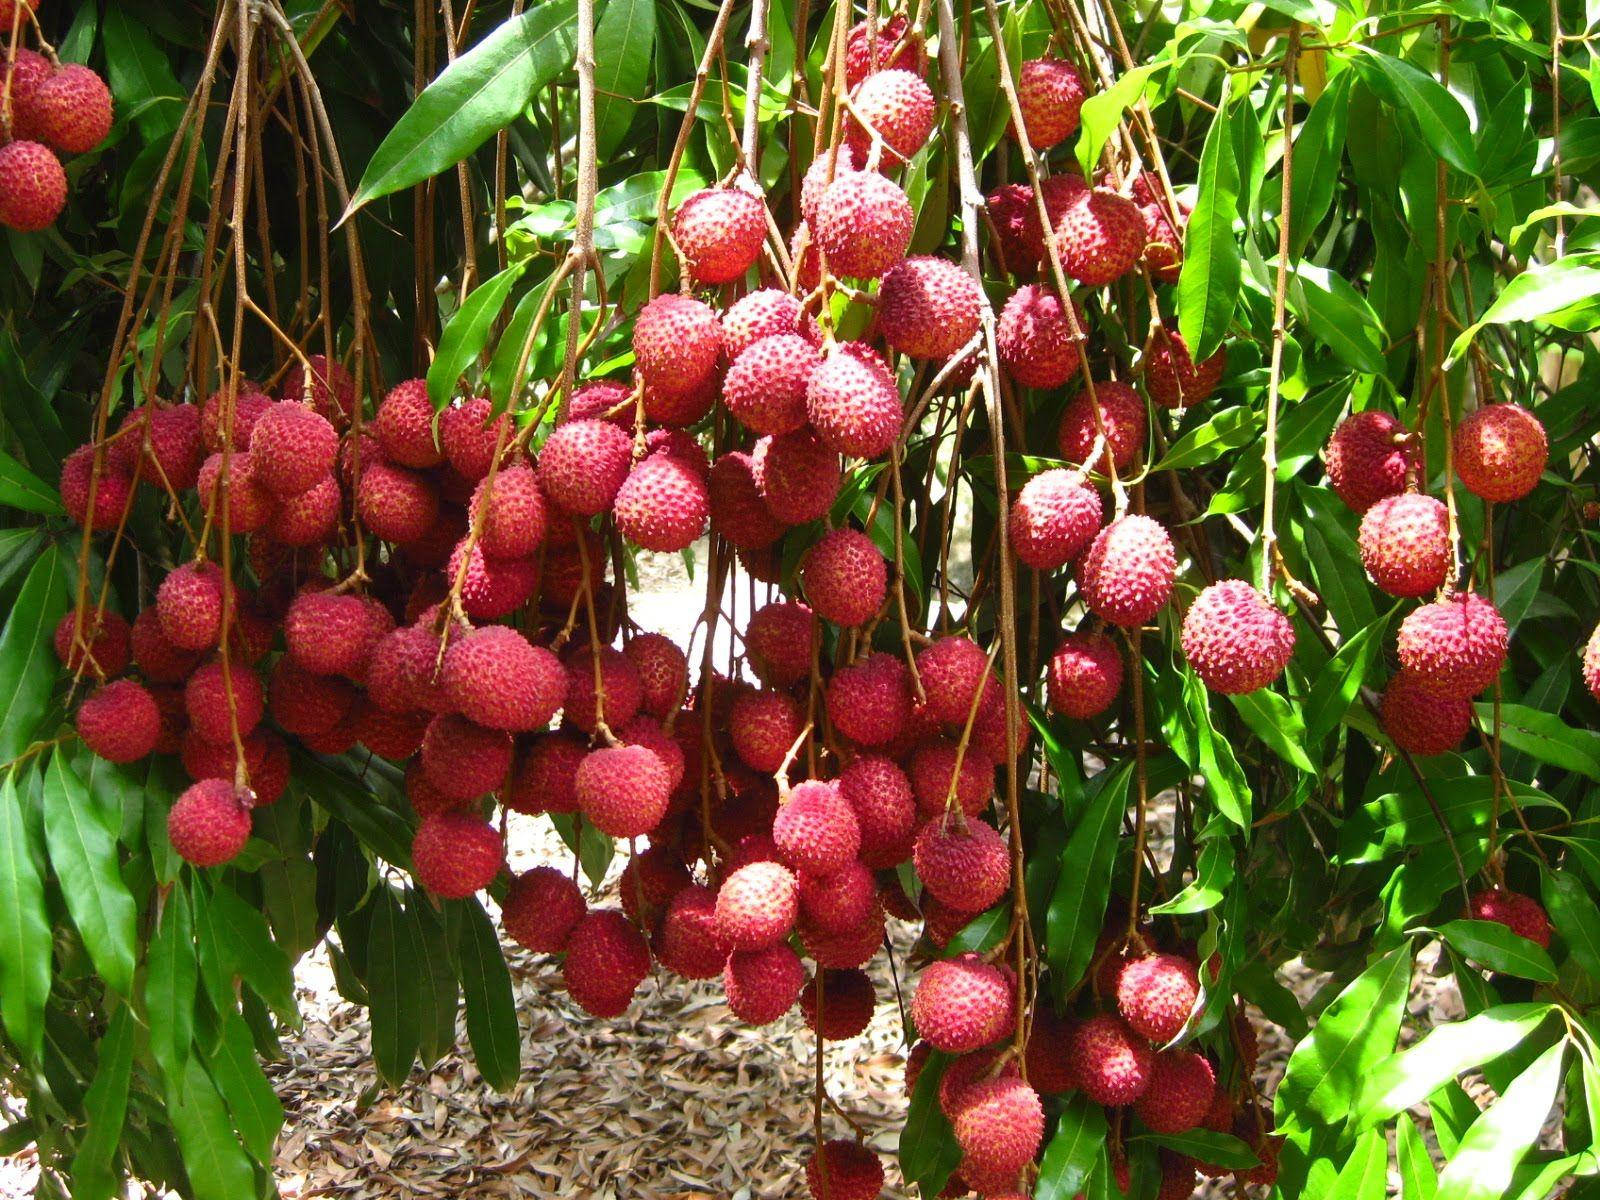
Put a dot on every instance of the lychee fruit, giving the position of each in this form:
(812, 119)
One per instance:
(158, 658)
(209, 823)
(1084, 675)
(1367, 458)
(853, 402)
(597, 398)
(1126, 574)
(1050, 94)
(206, 701)
(1035, 337)
(1049, 1054)
(815, 829)
(291, 448)
(1523, 915)
(103, 642)
(189, 604)
(1173, 379)
(928, 307)
(1182, 1086)
(495, 677)
(963, 1003)
(889, 47)
(765, 387)
(999, 1127)
(405, 425)
(763, 725)
(1122, 418)
(112, 493)
(848, 1001)
(1500, 452)
(844, 951)
(870, 702)
(241, 505)
(952, 669)
(607, 959)
(779, 642)
(395, 736)
(798, 477)
(456, 853)
(1156, 994)
(623, 790)
(1100, 236)
(1235, 639)
(331, 633)
(248, 404)
(662, 670)
(33, 187)
(719, 232)
(22, 75)
(496, 587)
(1591, 662)
(1454, 647)
(328, 387)
(583, 465)
(120, 722)
(880, 795)
(1010, 209)
(845, 578)
(1113, 1063)
(677, 343)
(966, 866)
(174, 451)
(757, 905)
(765, 312)
(309, 517)
(935, 775)
(738, 512)
(844, 1170)
(864, 224)
(71, 110)
(899, 106)
(762, 985)
(687, 940)
(621, 691)
(839, 901)
(662, 505)
(542, 908)
(513, 510)
(546, 778)
(1405, 544)
(463, 760)
(1052, 519)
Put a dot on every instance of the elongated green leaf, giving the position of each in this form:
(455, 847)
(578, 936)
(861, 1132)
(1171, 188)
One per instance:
(1365, 1172)
(1212, 875)
(1484, 1162)
(436, 972)
(1418, 1179)
(25, 941)
(928, 1150)
(1338, 316)
(1072, 1151)
(1336, 686)
(467, 333)
(172, 973)
(1277, 723)
(251, 954)
(215, 1162)
(594, 848)
(27, 660)
(1213, 268)
(1493, 945)
(1318, 155)
(1220, 768)
(479, 94)
(624, 39)
(1079, 901)
(1209, 1146)
(1546, 737)
(1439, 114)
(491, 1009)
(141, 80)
(106, 1106)
(1102, 111)
(21, 488)
(1210, 440)
(981, 934)
(1543, 289)
(257, 1112)
(394, 985)
(83, 851)
(508, 350)
(1576, 918)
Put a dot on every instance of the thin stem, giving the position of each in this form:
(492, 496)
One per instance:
(1280, 291)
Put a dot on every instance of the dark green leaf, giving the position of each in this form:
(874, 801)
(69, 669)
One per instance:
(1493, 945)
(27, 660)
(491, 1008)
(467, 333)
(215, 1162)
(1546, 737)
(1212, 875)
(257, 1112)
(1338, 316)
(1209, 1146)
(1318, 156)
(1418, 1179)
(1439, 114)
(1540, 291)
(142, 82)
(21, 488)
(251, 954)
(1210, 440)
(981, 934)
(594, 848)
(1277, 723)
(436, 969)
(1336, 685)
(928, 1150)
(1365, 1172)
(1079, 902)
(1072, 1151)
(394, 984)
(1208, 286)
(1576, 917)
(83, 851)
(624, 39)
(25, 940)
(1224, 778)
(1103, 111)
(106, 1106)
(171, 975)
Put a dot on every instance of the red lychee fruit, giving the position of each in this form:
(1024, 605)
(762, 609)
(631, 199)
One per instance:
(1171, 376)
(546, 778)
(71, 110)
(798, 477)
(738, 512)
(999, 1127)
(597, 398)
(1155, 995)
(494, 587)
(22, 75)
(887, 48)
(1163, 249)
(1591, 663)
(963, 1003)
(112, 494)
(815, 829)
(1050, 93)
(687, 940)
(863, 224)
(395, 736)
(1035, 337)
(1523, 915)
(209, 824)
(1113, 1064)
(779, 642)
(952, 670)
(839, 901)
(847, 1004)
(844, 1170)
(1052, 519)
(189, 604)
(1405, 544)
(1010, 209)
(844, 951)
(248, 405)
(103, 642)
(1049, 1052)
(120, 722)
(966, 868)
(1059, 192)
(934, 773)
(845, 578)
(400, 671)
(404, 425)
(170, 444)
(928, 307)
(463, 760)
(513, 513)
(1126, 574)
(1099, 236)
(1500, 452)
(765, 312)
(291, 448)
(331, 633)
(1454, 647)
(880, 795)
(241, 502)
(662, 505)
(1182, 1086)
(680, 409)
(762, 985)
(456, 853)
(623, 790)
(677, 342)
(853, 402)
(583, 464)
(765, 387)
(1235, 639)
(496, 678)
(663, 672)
(899, 106)
(308, 518)
(1367, 458)
(33, 187)
(206, 701)
(1122, 418)
(870, 702)
(719, 232)
(469, 436)
(763, 725)
(328, 388)
(607, 959)
(757, 905)
(620, 687)
(1084, 675)
(542, 908)
(158, 658)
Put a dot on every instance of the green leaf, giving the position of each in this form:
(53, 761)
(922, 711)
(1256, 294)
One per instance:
(172, 973)
(21, 488)
(1079, 901)
(1338, 316)
(1229, 430)
(1418, 1179)
(981, 934)
(1212, 874)
(1411, 1076)
(1277, 723)
(928, 1151)
(1576, 918)
(1073, 1150)
(251, 954)
(1223, 775)
(105, 1105)
(491, 1008)
(1546, 737)
(25, 938)
(1484, 1162)
(83, 851)
(1318, 156)
(1540, 291)
(436, 972)
(624, 39)
(476, 96)
(214, 1160)
(594, 848)
(394, 983)
(257, 1112)
(467, 332)
(1102, 112)
(1338, 683)
(1439, 114)
(1365, 1172)
(1490, 944)
(1208, 1146)
(141, 81)
(1213, 268)
(28, 666)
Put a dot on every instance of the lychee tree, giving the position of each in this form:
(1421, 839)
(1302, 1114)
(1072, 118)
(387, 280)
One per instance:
(1138, 459)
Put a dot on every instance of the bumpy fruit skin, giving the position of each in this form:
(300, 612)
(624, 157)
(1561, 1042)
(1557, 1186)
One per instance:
(900, 106)
(308, 518)
(757, 905)
(1182, 1086)
(1035, 337)
(111, 496)
(844, 1170)
(1454, 647)
(779, 642)
(841, 901)
(891, 49)
(463, 760)
(1126, 573)
(623, 790)
(175, 450)
(514, 520)
(798, 477)
(1523, 915)
(952, 670)
(999, 1127)
(863, 225)
(765, 387)
(762, 985)
(870, 701)
(687, 941)
(205, 699)
(120, 722)
(765, 312)
(1155, 995)
(209, 824)
(962, 1004)
(607, 960)
(934, 773)
(967, 869)
(107, 638)
(27, 71)
(71, 110)
(583, 465)
(737, 511)
(928, 307)
(159, 659)
(334, 634)
(1049, 1052)
(1084, 675)
(853, 402)
(1236, 641)
(189, 603)
(542, 908)
(1122, 415)
(662, 505)
(33, 187)
(1591, 663)
(243, 503)
(677, 342)
(546, 775)
(845, 578)
(1113, 1064)
(719, 232)
(1405, 544)
(880, 794)
(292, 447)
(1500, 452)
(498, 679)
(1099, 237)
(1367, 458)
(663, 672)
(1173, 379)
(619, 685)
(815, 830)
(1050, 93)
(1010, 211)
(1053, 519)
(456, 853)
(404, 425)
(762, 726)
(494, 587)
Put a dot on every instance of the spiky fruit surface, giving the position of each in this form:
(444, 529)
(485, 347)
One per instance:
(763, 725)
(845, 578)
(1126, 573)
(242, 502)
(1172, 377)
(847, 1004)
(962, 1004)
(1084, 675)
(839, 901)
(308, 518)
(546, 778)
(999, 1127)
(899, 106)
(1523, 915)
(863, 224)
(33, 187)
(1049, 1052)
(111, 495)
(1591, 663)
(1367, 458)
(1053, 519)
(607, 960)
(952, 670)
(1454, 647)
(662, 669)
(27, 70)
(594, 399)
(400, 672)
(292, 447)
(456, 853)
(328, 387)
(1010, 210)
(1235, 639)
(174, 451)
(583, 464)
(494, 587)
(248, 405)
(765, 387)
(928, 307)
(103, 641)
(1113, 1063)
(1122, 417)
(395, 736)
(208, 824)
(757, 905)
(189, 603)
(890, 47)
(933, 770)
(719, 232)
(687, 941)
(853, 403)
(463, 760)
(677, 342)
(737, 511)
(1050, 93)
(159, 659)
(334, 634)
(844, 1170)
(1182, 1087)
(870, 702)
(405, 425)
(1035, 337)
(843, 951)
(514, 516)
(205, 700)
(621, 691)
(1500, 452)
(765, 312)
(1405, 544)
(798, 477)
(71, 110)
(542, 908)
(120, 722)
(652, 877)
(1099, 236)
(1156, 994)
(779, 642)
(762, 985)
(815, 829)
(968, 868)
(662, 505)
(623, 790)
(880, 794)
(498, 679)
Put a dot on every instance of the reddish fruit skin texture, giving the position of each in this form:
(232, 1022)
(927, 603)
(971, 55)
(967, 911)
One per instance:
(815, 830)
(462, 760)
(331, 634)
(71, 110)
(33, 187)
(1050, 93)
(208, 825)
(308, 518)
(900, 106)
(607, 960)
(1010, 210)
(844, 1170)
(1053, 519)
(762, 726)
(205, 699)
(189, 603)
(662, 505)
(845, 578)
(765, 387)
(1035, 339)
(1405, 544)
(496, 678)
(1049, 1053)
(1084, 675)
(494, 587)
(1454, 647)
(719, 231)
(243, 503)
(757, 905)
(108, 642)
(1500, 452)
(111, 496)
(1122, 416)
(291, 448)
(779, 642)
(928, 307)
(677, 342)
(952, 670)
(864, 224)
(762, 985)
(469, 437)
(1182, 1086)
(1099, 237)
(1235, 640)
(158, 658)
(1523, 915)
(456, 853)
(962, 1004)
(120, 722)
(854, 404)
(891, 49)
(1171, 376)
(547, 775)
(1591, 663)
(967, 870)
(999, 1127)
(843, 951)
(886, 812)
(620, 686)
(765, 312)
(687, 941)
(175, 450)
(932, 768)
(583, 464)
(737, 511)
(847, 1004)
(396, 504)
(404, 425)
(663, 672)
(623, 790)
(27, 70)
(798, 477)
(870, 702)
(1126, 574)
(514, 524)
(1156, 994)
(1364, 461)
(1113, 1064)
(542, 908)
(840, 901)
